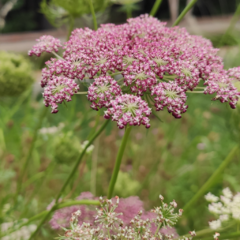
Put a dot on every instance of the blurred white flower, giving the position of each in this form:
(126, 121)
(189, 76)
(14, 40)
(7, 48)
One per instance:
(226, 209)
(216, 235)
(51, 130)
(236, 214)
(211, 198)
(227, 193)
(215, 224)
(89, 149)
(22, 233)
(224, 217)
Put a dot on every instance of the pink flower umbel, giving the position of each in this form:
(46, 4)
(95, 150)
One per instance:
(234, 73)
(58, 90)
(102, 91)
(129, 109)
(62, 217)
(129, 207)
(139, 58)
(224, 89)
(172, 96)
(45, 43)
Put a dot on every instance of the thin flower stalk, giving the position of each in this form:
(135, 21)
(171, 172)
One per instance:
(39, 185)
(212, 179)
(29, 154)
(118, 162)
(184, 12)
(93, 15)
(155, 7)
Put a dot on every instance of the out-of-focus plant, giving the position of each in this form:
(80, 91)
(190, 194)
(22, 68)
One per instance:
(10, 13)
(59, 12)
(22, 233)
(152, 71)
(127, 6)
(5, 8)
(15, 74)
(67, 148)
(127, 220)
(125, 185)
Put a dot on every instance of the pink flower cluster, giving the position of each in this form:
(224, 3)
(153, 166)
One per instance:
(220, 83)
(59, 89)
(234, 73)
(148, 58)
(61, 217)
(45, 44)
(129, 109)
(102, 91)
(172, 96)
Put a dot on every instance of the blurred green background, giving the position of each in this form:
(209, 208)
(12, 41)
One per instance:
(174, 157)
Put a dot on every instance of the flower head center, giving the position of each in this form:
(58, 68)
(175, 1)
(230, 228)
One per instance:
(102, 89)
(160, 62)
(58, 89)
(171, 94)
(186, 72)
(128, 60)
(76, 62)
(222, 85)
(102, 61)
(141, 76)
(130, 107)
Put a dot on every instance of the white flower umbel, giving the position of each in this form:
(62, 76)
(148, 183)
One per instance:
(225, 208)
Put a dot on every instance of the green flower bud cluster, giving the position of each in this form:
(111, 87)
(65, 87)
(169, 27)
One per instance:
(67, 148)
(15, 74)
(125, 185)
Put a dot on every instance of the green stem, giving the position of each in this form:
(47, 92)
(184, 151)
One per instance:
(29, 154)
(129, 12)
(155, 7)
(16, 106)
(70, 176)
(93, 15)
(80, 158)
(184, 12)
(195, 91)
(114, 74)
(56, 55)
(40, 183)
(77, 202)
(71, 26)
(212, 179)
(158, 228)
(231, 25)
(81, 93)
(119, 80)
(118, 161)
